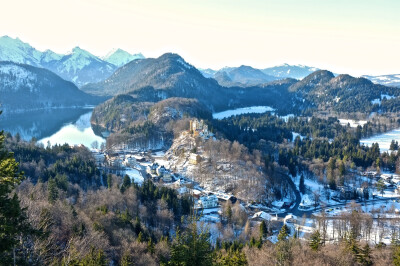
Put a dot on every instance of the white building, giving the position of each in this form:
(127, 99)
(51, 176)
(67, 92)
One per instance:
(152, 169)
(262, 216)
(208, 201)
(160, 170)
(167, 177)
(290, 219)
(130, 161)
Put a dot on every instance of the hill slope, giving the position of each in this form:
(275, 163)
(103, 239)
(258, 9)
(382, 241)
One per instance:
(81, 67)
(24, 87)
(345, 93)
(166, 76)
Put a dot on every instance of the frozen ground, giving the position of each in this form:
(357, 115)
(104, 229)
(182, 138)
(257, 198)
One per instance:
(135, 175)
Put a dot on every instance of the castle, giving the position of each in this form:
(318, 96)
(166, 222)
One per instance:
(199, 128)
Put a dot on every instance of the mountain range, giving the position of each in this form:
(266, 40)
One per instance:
(78, 66)
(155, 79)
(245, 76)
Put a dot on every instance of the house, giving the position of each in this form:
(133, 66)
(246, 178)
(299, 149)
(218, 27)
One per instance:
(387, 177)
(130, 161)
(115, 162)
(290, 218)
(160, 171)
(152, 169)
(208, 201)
(346, 193)
(166, 176)
(194, 158)
(261, 216)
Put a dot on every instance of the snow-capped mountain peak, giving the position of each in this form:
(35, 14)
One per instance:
(119, 57)
(17, 51)
(48, 56)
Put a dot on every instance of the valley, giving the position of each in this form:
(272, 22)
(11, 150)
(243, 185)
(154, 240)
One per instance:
(127, 145)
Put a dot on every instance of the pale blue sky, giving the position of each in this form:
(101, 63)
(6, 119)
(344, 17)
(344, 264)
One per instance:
(356, 37)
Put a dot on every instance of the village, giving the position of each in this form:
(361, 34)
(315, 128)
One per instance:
(375, 193)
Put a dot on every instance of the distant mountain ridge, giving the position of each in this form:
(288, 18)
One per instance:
(242, 76)
(78, 66)
(245, 76)
(289, 71)
(25, 87)
(387, 80)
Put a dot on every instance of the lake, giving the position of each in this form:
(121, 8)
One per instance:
(383, 140)
(240, 111)
(58, 126)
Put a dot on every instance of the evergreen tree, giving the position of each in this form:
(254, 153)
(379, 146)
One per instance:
(380, 186)
(283, 247)
(109, 181)
(263, 229)
(315, 240)
(104, 179)
(229, 213)
(302, 186)
(191, 247)
(94, 258)
(232, 258)
(126, 183)
(283, 233)
(52, 190)
(364, 256)
(13, 221)
(396, 256)
(127, 260)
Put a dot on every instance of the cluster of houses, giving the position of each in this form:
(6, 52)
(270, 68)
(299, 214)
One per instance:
(159, 172)
(391, 180)
(207, 200)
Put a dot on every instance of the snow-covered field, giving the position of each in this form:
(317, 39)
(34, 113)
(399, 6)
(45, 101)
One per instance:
(353, 123)
(245, 110)
(383, 140)
(135, 175)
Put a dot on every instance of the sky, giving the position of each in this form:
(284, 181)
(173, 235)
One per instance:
(356, 37)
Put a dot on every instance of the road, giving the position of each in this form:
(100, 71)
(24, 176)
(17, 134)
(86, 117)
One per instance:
(299, 213)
